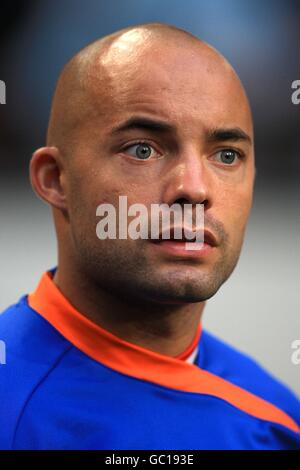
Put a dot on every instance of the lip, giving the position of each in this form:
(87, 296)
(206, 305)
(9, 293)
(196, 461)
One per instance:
(208, 237)
(177, 248)
(185, 247)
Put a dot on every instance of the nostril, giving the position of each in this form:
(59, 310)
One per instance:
(182, 201)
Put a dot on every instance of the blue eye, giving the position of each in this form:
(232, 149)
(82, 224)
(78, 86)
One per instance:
(228, 156)
(142, 151)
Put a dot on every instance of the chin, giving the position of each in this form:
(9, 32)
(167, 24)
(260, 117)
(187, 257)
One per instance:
(183, 294)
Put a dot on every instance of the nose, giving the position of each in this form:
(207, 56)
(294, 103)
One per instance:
(188, 181)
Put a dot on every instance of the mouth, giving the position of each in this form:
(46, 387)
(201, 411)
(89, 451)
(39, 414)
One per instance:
(185, 243)
(185, 235)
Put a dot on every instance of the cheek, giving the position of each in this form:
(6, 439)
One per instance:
(233, 211)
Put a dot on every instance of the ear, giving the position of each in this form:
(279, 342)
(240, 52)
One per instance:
(46, 176)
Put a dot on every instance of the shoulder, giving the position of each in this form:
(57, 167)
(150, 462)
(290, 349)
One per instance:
(222, 359)
(30, 349)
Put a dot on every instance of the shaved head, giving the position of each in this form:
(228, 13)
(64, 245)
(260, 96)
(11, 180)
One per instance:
(92, 79)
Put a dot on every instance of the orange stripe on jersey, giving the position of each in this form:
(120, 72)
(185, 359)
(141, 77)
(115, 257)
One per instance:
(187, 352)
(141, 363)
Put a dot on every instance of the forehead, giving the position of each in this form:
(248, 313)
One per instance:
(192, 86)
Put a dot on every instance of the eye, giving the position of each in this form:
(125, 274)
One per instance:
(140, 150)
(228, 156)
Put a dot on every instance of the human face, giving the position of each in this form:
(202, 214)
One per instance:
(203, 153)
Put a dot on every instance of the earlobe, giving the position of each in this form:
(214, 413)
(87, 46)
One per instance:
(46, 176)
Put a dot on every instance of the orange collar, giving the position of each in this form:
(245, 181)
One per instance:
(141, 363)
(95, 341)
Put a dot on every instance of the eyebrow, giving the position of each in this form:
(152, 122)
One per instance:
(228, 134)
(144, 123)
(214, 135)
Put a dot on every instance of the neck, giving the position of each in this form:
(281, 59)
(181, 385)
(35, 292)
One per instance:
(166, 329)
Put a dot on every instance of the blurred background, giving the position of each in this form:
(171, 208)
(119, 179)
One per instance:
(258, 309)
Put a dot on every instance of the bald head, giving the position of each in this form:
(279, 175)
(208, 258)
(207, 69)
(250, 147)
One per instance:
(98, 77)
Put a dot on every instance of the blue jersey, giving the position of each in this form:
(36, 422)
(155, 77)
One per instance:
(69, 384)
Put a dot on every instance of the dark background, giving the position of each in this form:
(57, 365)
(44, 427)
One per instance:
(260, 38)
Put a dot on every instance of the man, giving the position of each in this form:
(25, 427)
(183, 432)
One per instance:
(108, 352)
